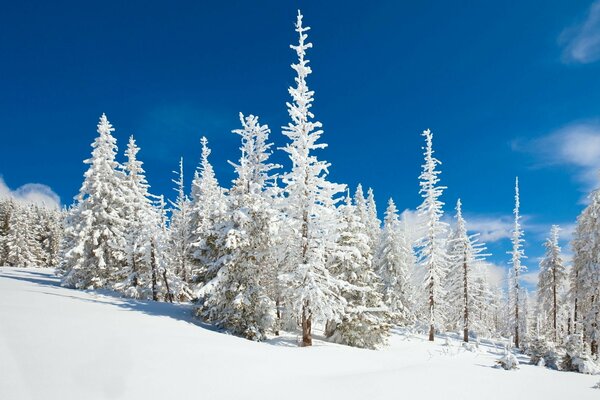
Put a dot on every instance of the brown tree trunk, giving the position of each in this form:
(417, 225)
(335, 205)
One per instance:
(554, 304)
(170, 296)
(466, 301)
(306, 326)
(153, 266)
(278, 315)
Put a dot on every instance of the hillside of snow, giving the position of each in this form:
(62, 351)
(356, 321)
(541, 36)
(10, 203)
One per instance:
(58, 343)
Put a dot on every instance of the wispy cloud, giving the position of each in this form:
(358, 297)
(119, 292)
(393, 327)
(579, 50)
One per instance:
(576, 145)
(491, 229)
(581, 42)
(34, 193)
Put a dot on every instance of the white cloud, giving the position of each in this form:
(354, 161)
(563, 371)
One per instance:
(582, 41)
(35, 193)
(530, 278)
(496, 274)
(491, 229)
(576, 145)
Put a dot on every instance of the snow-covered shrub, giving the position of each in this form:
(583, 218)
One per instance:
(509, 361)
(576, 357)
(543, 353)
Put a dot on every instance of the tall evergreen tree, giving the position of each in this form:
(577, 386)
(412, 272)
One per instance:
(552, 280)
(97, 240)
(517, 254)
(396, 261)
(585, 274)
(208, 211)
(310, 207)
(180, 232)
(432, 254)
(240, 298)
(365, 320)
(463, 289)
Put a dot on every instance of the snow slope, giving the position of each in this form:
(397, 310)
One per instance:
(57, 343)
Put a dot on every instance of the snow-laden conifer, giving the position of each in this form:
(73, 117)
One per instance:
(239, 300)
(395, 264)
(97, 246)
(365, 320)
(464, 292)
(552, 281)
(432, 253)
(208, 211)
(311, 291)
(180, 233)
(517, 254)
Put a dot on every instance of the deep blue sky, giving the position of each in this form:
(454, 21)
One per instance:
(501, 84)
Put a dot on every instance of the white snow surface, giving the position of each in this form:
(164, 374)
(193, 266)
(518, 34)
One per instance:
(58, 343)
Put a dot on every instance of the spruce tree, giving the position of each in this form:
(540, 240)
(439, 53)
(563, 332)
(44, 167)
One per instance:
(517, 268)
(310, 207)
(365, 320)
(208, 210)
(552, 280)
(395, 264)
(96, 243)
(432, 255)
(239, 300)
(463, 289)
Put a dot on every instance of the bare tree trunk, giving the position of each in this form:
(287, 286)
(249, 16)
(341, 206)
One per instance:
(431, 312)
(306, 313)
(153, 266)
(170, 296)
(278, 314)
(554, 305)
(306, 326)
(517, 309)
(466, 301)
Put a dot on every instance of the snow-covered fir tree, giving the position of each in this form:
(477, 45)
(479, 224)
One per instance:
(517, 254)
(464, 291)
(22, 244)
(180, 233)
(7, 207)
(432, 253)
(365, 320)
(552, 281)
(207, 212)
(239, 300)
(395, 264)
(311, 291)
(373, 224)
(585, 273)
(135, 279)
(97, 240)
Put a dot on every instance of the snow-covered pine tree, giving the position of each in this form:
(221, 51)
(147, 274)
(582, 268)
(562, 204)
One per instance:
(7, 207)
(23, 248)
(208, 211)
(585, 273)
(51, 223)
(365, 320)
(180, 245)
(395, 263)
(552, 280)
(239, 300)
(135, 278)
(517, 254)
(311, 213)
(373, 224)
(432, 254)
(463, 293)
(96, 244)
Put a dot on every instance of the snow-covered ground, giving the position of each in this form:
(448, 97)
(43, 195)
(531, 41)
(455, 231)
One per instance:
(57, 343)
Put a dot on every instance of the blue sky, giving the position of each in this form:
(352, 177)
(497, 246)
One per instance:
(507, 88)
